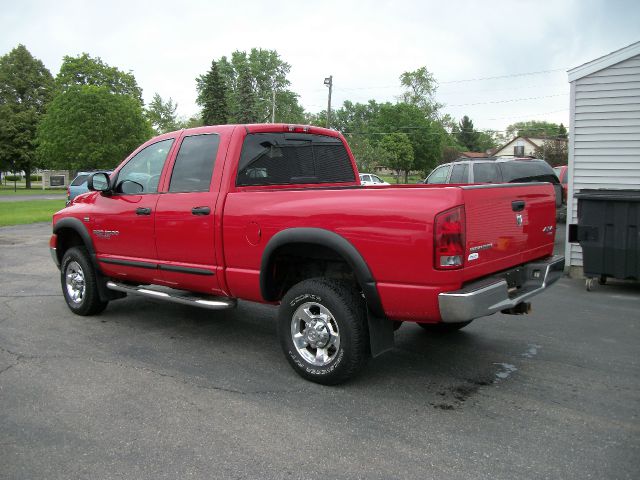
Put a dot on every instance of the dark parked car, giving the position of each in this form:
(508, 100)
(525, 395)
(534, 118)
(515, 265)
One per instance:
(496, 170)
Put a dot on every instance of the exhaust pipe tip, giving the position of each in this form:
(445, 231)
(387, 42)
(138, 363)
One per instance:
(522, 308)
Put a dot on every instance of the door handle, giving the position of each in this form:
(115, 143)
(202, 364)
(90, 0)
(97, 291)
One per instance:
(143, 211)
(200, 210)
(517, 205)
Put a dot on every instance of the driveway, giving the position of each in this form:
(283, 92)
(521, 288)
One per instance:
(24, 198)
(154, 390)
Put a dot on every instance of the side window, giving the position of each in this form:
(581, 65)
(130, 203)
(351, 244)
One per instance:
(485, 173)
(366, 178)
(375, 179)
(460, 173)
(439, 175)
(141, 174)
(527, 171)
(290, 158)
(194, 164)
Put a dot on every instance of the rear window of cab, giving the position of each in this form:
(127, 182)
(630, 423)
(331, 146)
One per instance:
(293, 158)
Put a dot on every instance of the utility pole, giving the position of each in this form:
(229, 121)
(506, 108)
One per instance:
(329, 83)
(273, 106)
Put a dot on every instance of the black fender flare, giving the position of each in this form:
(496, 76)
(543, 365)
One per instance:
(325, 238)
(77, 226)
(380, 328)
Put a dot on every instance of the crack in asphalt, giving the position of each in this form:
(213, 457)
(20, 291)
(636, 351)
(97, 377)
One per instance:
(20, 357)
(9, 367)
(32, 296)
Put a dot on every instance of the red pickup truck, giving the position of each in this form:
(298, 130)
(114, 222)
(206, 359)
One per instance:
(276, 214)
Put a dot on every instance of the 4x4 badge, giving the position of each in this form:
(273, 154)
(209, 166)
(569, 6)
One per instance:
(519, 220)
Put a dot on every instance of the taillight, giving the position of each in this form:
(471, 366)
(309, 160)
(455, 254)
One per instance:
(448, 241)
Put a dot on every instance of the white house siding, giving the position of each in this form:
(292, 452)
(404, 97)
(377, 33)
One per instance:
(529, 150)
(604, 147)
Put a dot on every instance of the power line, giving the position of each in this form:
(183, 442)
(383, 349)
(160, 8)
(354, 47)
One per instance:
(496, 77)
(464, 80)
(510, 100)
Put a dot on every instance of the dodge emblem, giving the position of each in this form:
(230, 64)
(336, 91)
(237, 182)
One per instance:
(519, 220)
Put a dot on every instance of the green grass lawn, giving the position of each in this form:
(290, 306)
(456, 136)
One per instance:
(19, 213)
(8, 190)
(392, 180)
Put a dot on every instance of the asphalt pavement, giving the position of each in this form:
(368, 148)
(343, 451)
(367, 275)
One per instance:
(150, 390)
(26, 198)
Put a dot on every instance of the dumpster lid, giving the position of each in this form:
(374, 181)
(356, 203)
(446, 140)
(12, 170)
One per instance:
(619, 195)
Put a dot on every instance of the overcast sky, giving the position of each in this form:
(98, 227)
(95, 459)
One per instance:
(365, 45)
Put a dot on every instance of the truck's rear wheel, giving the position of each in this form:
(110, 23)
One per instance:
(79, 284)
(442, 328)
(322, 330)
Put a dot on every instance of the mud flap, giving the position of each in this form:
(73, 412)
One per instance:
(380, 334)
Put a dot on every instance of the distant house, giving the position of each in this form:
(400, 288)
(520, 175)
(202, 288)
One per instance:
(520, 147)
(604, 146)
(473, 155)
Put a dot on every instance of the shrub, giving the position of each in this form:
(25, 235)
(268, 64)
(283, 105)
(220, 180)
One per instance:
(13, 178)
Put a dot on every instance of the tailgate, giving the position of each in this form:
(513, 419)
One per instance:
(507, 225)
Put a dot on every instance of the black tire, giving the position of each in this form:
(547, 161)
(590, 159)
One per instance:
(330, 325)
(444, 328)
(79, 283)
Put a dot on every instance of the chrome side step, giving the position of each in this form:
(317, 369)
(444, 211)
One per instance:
(203, 301)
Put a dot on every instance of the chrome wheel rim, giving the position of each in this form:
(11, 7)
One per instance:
(74, 279)
(315, 334)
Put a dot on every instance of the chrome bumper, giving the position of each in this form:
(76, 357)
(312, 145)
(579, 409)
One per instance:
(490, 295)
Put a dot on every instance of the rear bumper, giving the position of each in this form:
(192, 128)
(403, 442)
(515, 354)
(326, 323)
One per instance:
(490, 295)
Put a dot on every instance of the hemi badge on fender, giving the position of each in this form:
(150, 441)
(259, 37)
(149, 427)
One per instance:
(486, 246)
(106, 234)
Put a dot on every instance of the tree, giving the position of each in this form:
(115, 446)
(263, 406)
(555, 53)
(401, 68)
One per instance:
(258, 77)
(84, 70)
(554, 151)
(466, 135)
(400, 153)
(426, 136)
(246, 99)
(162, 115)
(420, 90)
(366, 154)
(88, 127)
(534, 128)
(486, 141)
(212, 97)
(94, 120)
(25, 90)
(562, 131)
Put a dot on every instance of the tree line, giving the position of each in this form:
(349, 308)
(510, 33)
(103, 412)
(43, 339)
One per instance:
(91, 115)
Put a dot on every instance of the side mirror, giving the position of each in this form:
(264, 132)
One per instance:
(558, 188)
(99, 182)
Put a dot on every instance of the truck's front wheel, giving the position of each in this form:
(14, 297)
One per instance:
(322, 330)
(79, 283)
